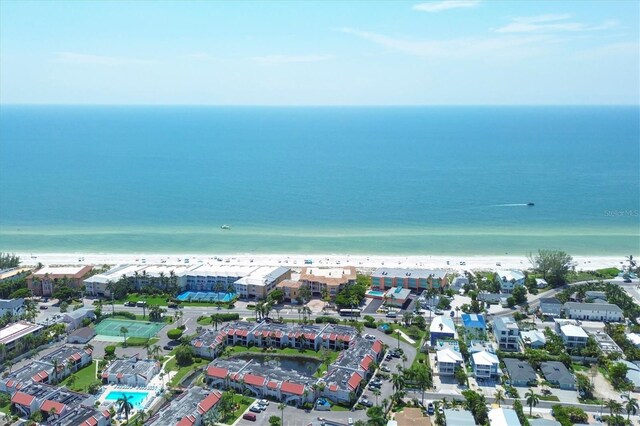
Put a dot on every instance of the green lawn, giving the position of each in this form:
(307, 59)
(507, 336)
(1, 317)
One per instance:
(6, 409)
(339, 408)
(579, 367)
(84, 378)
(548, 398)
(243, 403)
(140, 341)
(182, 371)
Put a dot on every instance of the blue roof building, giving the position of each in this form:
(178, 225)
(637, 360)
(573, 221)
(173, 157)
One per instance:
(474, 321)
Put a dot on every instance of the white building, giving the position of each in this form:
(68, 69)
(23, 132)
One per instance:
(533, 338)
(448, 360)
(442, 327)
(573, 336)
(509, 279)
(13, 306)
(605, 312)
(75, 318)
(507, 333)
(261, 282)
(634, 338)
(503, 417)
(485, 364)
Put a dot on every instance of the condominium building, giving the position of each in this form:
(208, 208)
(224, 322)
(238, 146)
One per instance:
(485, 365)
(259, 283)
(44, 281)
(605, 312)
(12, 334)
(417, 280)
(329, 280)
(507, 333)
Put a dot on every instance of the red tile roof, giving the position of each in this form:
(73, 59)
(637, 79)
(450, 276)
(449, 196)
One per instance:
(76, 356)
(354, 381)
(198, 344)
(49, 405)
(106, 413)
(209, 402)
(22, 398)
(10, 383)
(377, 346)
(243, 333)
(333, 387)
(251, 379)
(91, 421)
(218, 372)
(366, 362)
(293, 388)
(39, 377)
(187, 421)
(272, 384)
(119, 376)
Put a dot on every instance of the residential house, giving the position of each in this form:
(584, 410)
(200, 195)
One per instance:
(75, 318)
(474, 325)
(557, 374)
(417, 280)
(503, 417)
(448, 360)
(509, 279)
(633, 374)
(507, 334)
(45, 398)
(458, 418)
(13, 307)
(520, 372)
(533, 338)
(43, 281)
(443, 328)
(459, 281)
(397, 296)
(541, 283)
(634, 338)
(605, 312)
(573, 336)
(486, 365)
(550, 307)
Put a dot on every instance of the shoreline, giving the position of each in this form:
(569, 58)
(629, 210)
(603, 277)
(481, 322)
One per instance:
(449, 262)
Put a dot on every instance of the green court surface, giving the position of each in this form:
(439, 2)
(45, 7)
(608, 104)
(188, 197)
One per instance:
(111, 327)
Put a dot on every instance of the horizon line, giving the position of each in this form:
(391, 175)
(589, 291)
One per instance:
(317, 105)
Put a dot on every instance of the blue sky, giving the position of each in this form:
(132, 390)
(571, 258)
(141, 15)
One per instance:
(320, 53)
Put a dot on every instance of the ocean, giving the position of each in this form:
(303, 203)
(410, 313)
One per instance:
(360, 180)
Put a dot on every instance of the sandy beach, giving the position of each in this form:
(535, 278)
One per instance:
(454, 263)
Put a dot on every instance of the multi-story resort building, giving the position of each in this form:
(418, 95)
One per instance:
(329, 280)
(249, 282)
(290, 289)
(343, 380)
(15, 307)
(417, 280)
(43, 281)
(259, 283)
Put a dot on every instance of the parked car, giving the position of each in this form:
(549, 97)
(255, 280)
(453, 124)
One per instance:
(167, 348)
(44, 307)
(263, 402)
(385, 369)
(255, 409)
(366, 403)
(430, 409)
(249, 416)
(350, 421)
(129, 303)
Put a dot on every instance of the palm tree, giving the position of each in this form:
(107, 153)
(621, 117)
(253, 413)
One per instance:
(281, 407)
(499, 396)
(631, 406)
(614, 408)
(124, 331)
(215, 320)
(532, 399)
(124, 405)
(376, 393)
(55, 370)
(111, 288)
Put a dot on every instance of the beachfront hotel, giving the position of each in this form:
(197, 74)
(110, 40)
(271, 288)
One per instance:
(12, 334)
(331, 280)
(259, 283)
(43, 281)
(416, 280)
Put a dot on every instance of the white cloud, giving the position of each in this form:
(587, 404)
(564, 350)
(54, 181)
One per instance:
(551, 23)
(290, 59)
(439, 6)
(81, 58)
(460, 47)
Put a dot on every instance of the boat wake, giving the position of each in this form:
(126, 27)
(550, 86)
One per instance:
(511, 205)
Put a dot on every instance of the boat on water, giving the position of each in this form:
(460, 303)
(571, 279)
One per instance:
(225, 227)
(530, 204)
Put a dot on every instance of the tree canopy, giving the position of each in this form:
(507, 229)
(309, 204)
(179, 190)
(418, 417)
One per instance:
(554, 265)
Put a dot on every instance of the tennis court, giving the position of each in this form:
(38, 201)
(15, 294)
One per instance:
(205, 296)
(111, 327)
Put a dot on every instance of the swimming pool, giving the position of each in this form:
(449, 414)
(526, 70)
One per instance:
(375, 294)
(206, 296)
(136, 398)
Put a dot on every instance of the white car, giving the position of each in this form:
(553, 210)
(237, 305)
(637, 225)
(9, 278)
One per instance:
(263, 402)
(350, 421)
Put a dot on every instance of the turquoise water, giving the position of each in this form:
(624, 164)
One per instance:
(206, 296)
(376, 293)
(135, 398)
(432, 180)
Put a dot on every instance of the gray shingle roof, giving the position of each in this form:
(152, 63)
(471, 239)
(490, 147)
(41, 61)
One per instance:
(519, 371)
(556, 372)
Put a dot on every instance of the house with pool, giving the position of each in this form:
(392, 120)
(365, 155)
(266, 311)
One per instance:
(416, 280)
(130, 372)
